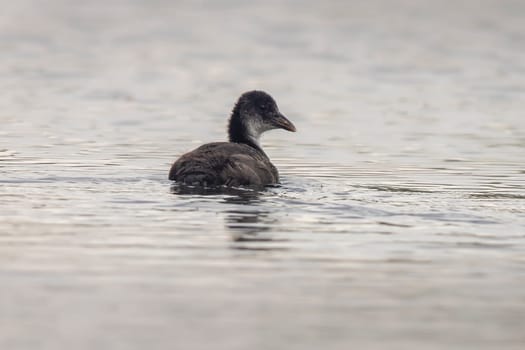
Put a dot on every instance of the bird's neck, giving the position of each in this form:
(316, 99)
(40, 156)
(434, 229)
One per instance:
(240, 133)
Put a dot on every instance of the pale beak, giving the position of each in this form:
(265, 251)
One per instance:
(281, 122)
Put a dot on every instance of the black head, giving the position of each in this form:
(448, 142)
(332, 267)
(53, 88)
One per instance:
(254, 113)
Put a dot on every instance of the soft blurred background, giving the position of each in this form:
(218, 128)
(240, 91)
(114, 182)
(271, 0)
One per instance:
(400, 221)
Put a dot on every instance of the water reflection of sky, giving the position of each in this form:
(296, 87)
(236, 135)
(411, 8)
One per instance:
(399, 219)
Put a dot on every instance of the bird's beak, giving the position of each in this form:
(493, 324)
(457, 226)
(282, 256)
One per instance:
(281, 122)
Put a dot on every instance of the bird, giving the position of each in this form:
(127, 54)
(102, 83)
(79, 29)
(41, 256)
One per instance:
(241, 161)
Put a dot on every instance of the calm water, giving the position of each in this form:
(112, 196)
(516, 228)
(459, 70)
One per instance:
(400, 220)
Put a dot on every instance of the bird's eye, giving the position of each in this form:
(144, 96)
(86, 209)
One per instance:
(263, 107)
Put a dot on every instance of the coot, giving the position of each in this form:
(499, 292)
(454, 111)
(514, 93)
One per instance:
(240, 162)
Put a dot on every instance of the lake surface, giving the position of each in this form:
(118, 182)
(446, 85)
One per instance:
(400, 220)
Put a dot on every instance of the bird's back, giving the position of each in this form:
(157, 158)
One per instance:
(224, 163)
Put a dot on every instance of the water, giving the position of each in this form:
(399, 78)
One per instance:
(401, 215)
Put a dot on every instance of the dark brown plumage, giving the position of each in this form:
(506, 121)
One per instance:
(240, 162)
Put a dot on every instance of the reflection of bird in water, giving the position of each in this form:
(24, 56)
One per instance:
(229, 194)
(248, 228)
(246, 221)
(247, 225)
(250, 224)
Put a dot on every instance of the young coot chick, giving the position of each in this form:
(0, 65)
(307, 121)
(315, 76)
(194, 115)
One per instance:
(240, 162)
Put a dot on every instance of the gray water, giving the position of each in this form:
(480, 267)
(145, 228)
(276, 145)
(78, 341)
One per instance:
(400, 220)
